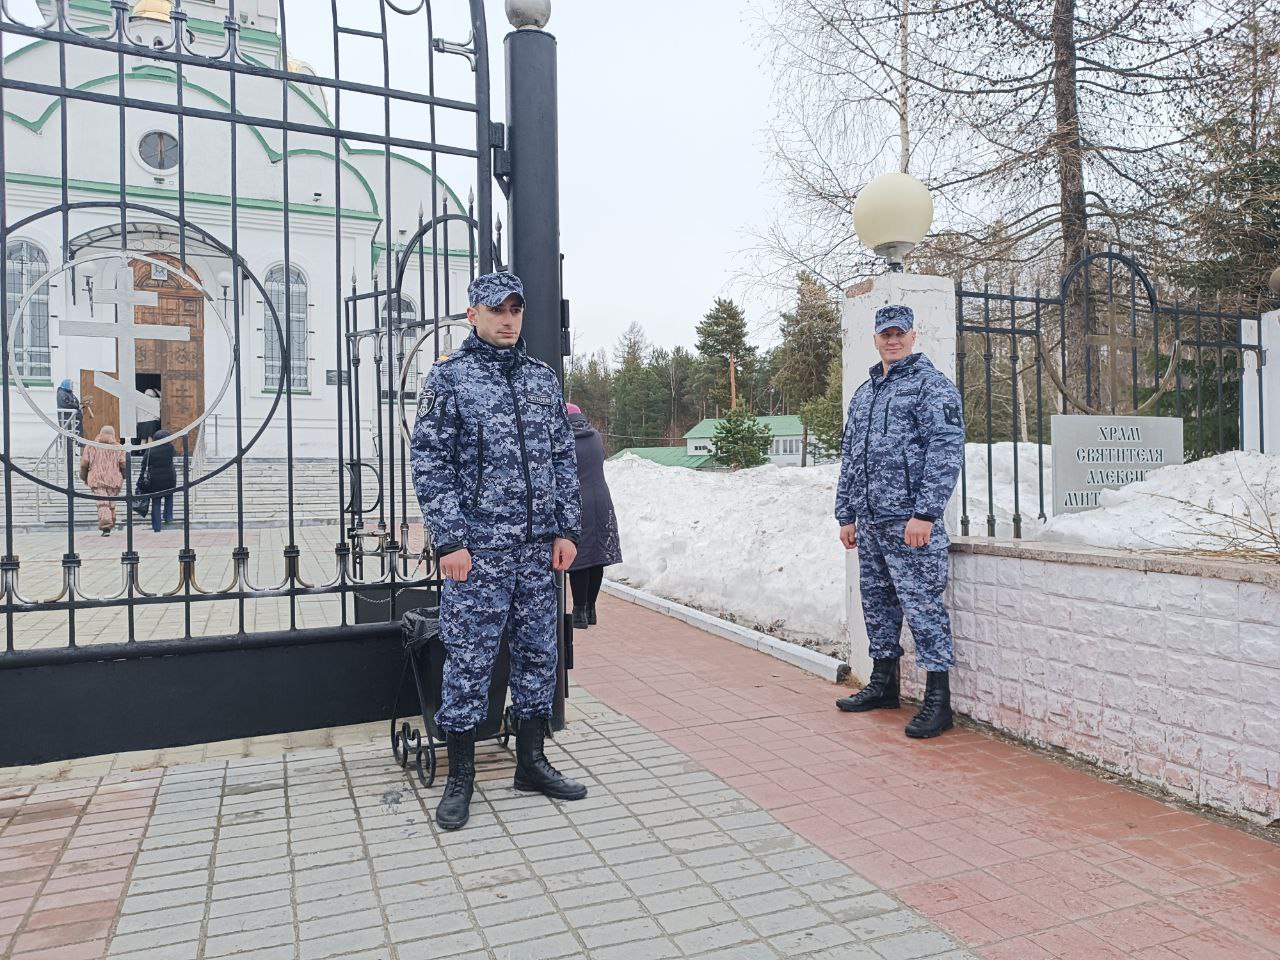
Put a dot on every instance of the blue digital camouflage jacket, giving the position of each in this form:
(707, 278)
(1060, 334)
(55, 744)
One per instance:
(493, 454)
(903, 445)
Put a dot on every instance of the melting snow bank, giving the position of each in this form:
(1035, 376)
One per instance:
(1231, 501)
(757, 547)
(760, 547)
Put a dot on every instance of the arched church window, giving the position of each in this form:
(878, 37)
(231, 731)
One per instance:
(159, 150)
(24, 264)
(289, 300)
(407, 314)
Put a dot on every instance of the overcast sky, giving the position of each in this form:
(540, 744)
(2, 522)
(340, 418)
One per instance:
(663, 160)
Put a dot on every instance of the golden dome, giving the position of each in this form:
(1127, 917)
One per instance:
(298, 66)
(160, 10)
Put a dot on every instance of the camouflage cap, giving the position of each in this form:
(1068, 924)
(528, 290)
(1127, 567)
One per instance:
(492, 289)
(894, 315)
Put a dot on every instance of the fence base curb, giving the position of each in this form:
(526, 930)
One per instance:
(828, 668)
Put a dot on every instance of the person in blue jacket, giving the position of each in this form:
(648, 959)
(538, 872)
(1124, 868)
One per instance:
(494, 470)
(900, 458)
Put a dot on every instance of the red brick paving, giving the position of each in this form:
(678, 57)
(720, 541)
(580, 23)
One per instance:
(65, 853)
(1018, 855)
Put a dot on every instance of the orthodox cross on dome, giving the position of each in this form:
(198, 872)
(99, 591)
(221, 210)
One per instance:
(126, 331)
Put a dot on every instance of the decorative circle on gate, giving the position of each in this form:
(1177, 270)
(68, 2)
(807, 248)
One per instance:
(1111, 320)
(126, 331)
(409, 365)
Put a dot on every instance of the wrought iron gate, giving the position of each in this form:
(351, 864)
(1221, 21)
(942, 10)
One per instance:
(1102, 343)
(155, 154)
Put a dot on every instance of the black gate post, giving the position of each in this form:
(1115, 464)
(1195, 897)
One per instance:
(534, 146)
(533, 122)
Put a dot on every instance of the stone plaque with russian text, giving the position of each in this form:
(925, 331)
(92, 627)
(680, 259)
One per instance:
(1092, 454)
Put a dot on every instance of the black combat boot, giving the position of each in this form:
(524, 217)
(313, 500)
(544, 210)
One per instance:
(591, 614)
(935, 712)
(534, 774)
(880, 693)
(580, 620)
(454, 809)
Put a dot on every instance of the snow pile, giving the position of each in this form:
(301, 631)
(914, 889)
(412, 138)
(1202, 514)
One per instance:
(758, 547)
(1002, 503)
(1197, 506)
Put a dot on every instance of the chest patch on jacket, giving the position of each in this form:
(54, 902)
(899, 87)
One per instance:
(541, 399)
(952, 412)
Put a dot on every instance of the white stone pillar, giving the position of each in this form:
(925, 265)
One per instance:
(1269, 435)
(933, 301)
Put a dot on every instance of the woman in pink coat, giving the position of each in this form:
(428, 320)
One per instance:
(103, 470)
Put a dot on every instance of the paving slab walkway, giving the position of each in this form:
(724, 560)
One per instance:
(734, 814)
(332, 853)
(1017, 855)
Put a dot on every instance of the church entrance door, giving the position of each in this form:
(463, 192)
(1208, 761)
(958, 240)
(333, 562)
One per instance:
(174, 368)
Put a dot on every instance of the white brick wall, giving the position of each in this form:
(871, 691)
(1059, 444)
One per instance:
(1165, 670)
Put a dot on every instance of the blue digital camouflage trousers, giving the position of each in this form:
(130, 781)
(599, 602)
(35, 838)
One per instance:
(504, 585)
(897, 579)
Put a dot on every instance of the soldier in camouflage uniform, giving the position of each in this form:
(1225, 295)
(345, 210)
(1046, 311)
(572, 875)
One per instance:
(901, 455)
(494, 469)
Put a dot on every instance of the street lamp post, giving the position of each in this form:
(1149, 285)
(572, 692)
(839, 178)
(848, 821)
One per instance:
(892, 215)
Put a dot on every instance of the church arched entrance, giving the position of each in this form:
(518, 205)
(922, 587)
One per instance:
(172, 368)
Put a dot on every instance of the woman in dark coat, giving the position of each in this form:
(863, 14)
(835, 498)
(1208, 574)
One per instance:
(69, 415)
(599, 546)
(158, 468)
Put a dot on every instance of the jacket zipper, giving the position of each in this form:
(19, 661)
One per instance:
(479, 463)
(866, 442)
(524, 458)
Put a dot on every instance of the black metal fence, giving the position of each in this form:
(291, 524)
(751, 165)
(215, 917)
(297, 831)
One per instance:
(245, 204)
(1101, 344)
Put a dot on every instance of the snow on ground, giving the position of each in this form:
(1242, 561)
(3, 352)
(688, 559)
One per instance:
(1195, 506)
(760, 547)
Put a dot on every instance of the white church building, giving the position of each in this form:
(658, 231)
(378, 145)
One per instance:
(123, 319)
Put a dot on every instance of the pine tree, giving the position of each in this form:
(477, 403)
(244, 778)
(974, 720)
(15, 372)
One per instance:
(824, 416)
(810, 338)
(742, 441)
(722, 346)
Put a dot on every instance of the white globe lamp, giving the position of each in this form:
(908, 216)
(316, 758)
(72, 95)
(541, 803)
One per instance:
(529, 14)
(892, 214)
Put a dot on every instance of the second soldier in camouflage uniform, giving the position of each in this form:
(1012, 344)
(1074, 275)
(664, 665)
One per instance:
(494, 469)
(901, 455)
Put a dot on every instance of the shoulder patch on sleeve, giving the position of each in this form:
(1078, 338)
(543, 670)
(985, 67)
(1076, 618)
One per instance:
(426, 402)
(952, 412)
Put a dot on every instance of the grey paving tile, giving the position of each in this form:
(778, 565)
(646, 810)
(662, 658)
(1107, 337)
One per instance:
(696, 917)
(337, 944)
(544, 948)
(516, 931)
(914, 945)
(600, 913)
(624, 931)
(442, 947)
(249, 941)
(658, 949)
